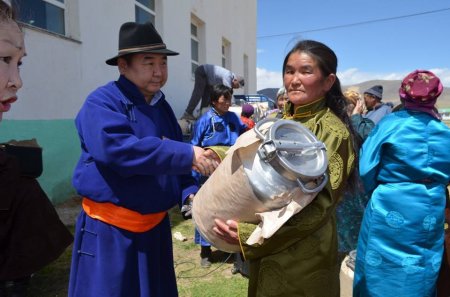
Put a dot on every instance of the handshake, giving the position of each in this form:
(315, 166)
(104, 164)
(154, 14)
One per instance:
(205, 161)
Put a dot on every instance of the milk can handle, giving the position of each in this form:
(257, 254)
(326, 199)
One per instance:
(259, 123)
(313, 190)
(267, 150)
(295, 146)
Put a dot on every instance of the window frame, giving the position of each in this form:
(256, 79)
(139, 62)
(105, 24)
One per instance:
(196, 39)
(226, 53)
(146, 9)
(61, 5)
(57, 3)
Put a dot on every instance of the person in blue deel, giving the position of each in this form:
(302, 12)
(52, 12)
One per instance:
(217, 127)
(405, 165)
(133, 168)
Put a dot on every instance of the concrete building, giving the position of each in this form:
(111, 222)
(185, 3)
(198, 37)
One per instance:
(68, 42)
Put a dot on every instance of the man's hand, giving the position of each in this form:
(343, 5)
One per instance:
(209, 153)
(204, 164)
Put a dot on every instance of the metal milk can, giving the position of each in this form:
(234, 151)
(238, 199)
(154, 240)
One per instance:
(289, 158)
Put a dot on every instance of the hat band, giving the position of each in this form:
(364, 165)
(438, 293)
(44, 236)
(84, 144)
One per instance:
(142, 48)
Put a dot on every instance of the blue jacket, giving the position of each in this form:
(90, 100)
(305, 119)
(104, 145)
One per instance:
(214, 129)
(132, 152)
(378, 113)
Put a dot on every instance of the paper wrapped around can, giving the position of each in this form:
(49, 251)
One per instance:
(271, 173)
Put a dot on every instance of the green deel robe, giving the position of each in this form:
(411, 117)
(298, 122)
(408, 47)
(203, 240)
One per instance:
(300, 259)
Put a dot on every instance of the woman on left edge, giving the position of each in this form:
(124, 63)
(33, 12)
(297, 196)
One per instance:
(31, 233)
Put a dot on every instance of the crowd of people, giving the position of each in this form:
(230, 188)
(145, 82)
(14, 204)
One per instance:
(385, 196)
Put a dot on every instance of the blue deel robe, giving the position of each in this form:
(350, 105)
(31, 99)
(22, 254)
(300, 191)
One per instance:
(132, 155)
(213, 129)
(405, 161)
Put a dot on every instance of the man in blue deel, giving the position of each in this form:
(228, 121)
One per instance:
(133, 168)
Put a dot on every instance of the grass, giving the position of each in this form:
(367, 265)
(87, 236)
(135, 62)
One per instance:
(52, 281)
(192, 280)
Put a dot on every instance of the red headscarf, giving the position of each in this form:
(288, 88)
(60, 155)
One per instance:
(419, 91)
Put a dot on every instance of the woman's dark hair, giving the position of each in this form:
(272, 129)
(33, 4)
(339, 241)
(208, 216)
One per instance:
(220, 90)
(6, 12)
(327, 61)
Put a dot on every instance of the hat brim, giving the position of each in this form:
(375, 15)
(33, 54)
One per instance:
(113, 61)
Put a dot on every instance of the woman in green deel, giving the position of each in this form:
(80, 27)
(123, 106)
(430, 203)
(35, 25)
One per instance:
(301, 258)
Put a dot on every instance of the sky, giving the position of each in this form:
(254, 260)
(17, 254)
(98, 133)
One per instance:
(373, 39)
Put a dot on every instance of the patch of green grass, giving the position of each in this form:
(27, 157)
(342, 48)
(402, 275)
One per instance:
(192, 279)
(216, 287)
(52, 281)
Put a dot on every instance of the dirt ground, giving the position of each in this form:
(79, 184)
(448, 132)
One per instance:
(69, 210)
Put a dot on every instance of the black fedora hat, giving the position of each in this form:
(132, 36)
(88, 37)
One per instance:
(139, 38)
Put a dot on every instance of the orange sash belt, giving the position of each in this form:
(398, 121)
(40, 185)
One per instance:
(121, 217)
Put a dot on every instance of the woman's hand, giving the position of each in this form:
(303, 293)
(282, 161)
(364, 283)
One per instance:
(227, 231)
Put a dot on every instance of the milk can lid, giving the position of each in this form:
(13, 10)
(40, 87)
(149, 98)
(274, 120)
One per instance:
(298, 149)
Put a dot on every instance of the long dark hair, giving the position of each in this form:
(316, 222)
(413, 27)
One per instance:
(327, 61)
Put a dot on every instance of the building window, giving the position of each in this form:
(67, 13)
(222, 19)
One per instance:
(224, 59)
(226, 53)
(45, 14)
(246, 73)
(195, 44)
(198, 49)
(145, 11)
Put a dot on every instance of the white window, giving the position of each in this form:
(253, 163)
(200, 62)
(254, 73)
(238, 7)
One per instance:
(195, 47)
(45, 14)
(224, 59)
(246, 73)
(145, 11)
(226, 50)
(198, 49)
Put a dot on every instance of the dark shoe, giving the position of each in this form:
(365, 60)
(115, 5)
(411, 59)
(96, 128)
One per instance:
(205, 263)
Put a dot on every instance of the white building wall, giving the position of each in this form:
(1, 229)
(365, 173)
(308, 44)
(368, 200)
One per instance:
(60, 72)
